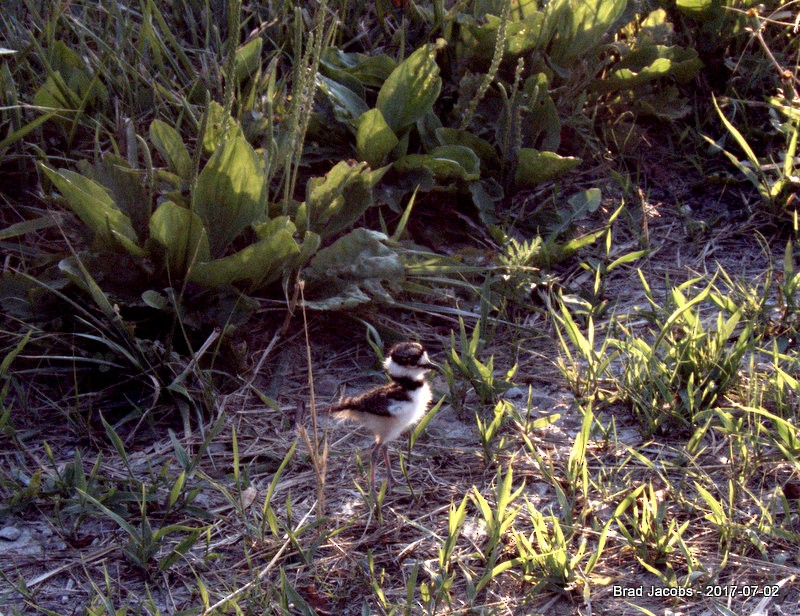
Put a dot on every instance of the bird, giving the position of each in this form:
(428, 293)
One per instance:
(389, 410)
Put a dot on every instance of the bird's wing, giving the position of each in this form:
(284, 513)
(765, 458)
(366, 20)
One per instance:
(376, 402)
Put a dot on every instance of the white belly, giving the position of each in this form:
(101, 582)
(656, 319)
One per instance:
(406, 414)
(403, 414)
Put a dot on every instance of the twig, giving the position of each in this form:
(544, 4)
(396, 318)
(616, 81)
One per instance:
(318, 459)
(292, 304)
(66, 567)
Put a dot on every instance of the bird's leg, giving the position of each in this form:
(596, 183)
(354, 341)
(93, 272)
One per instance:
(389, 475)
(373, 461)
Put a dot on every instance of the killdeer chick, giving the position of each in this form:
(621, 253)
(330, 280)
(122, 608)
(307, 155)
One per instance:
(389, 410)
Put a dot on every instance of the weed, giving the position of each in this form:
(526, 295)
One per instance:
(588, 371)
(465, 363)
(686, 368)
(498, 520)
(488, 430)
(646, 528)
(545, 558)
(220, 157)
(437, 591)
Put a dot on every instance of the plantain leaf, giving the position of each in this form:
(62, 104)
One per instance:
(54, 93)
(371, 71)
(347, 104)
(247, 60)
(169, 144)
(374, 139)
(229, 193)
(352, 271)
(219, 128)
(95, 207)
(485, 150)
(69, 81)
(578, 27)
(338, 200)
(125, 185)
(522, 35)
(534, 167)
(258, 264)
(180, 231)
(412, 88)
(649, 63)
(541, 126)
(585, 202)
(447, 162)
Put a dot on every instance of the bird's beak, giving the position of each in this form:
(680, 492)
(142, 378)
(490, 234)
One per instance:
(429, 365)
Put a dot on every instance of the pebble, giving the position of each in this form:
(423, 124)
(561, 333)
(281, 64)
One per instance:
(538, 398)
(10, 533)
(66, 598)
(516, 393)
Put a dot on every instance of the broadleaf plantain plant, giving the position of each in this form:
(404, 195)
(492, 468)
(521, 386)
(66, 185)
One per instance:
(224, 232)
(480, 114)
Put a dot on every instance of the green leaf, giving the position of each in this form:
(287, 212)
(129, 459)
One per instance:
(169, 144)
(585, 201)
(187, 543)
(578, 27)
(177, 489)
(347, 105)
(702, 10)
(371, 71)
(126, 187)
(751, 155)
(412, 88)
(20, 133)
(265, 230)
(229, 193)
(485, 194)
(541, 125)
(121, 522)
(401, 226)
(181, 233)
(374, 138)
(628, 258)
(247, 60)
(258, 264)
(156, 300)
(308, 248)
(95, 207)
(28, 226)
(352, 271)
(338, 200)
(522, 35)
(54, 93)
(535, 167)
(219, 128)
(485, 150)
(69, 83)
(447, 162)
(649, 63)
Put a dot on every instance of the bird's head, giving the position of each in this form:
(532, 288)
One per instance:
(408, 360)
